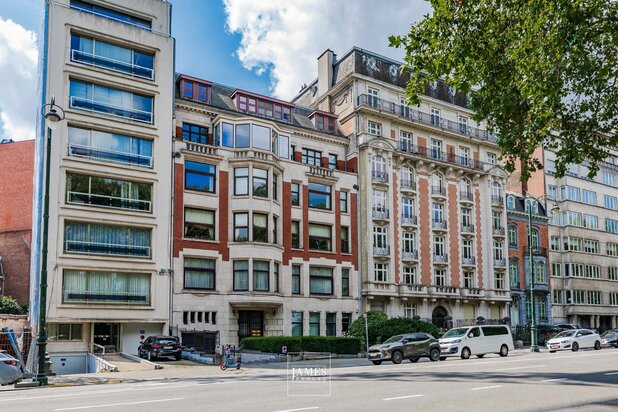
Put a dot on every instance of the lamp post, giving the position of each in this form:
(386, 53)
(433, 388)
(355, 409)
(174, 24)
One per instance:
(534, 346)
(53, 114)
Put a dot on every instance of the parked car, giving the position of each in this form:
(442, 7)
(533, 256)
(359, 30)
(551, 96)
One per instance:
(10, 369)
(610, 338)
(567, 326)
(476, 340)
(158, 346)
(574, 340)
(412, 346)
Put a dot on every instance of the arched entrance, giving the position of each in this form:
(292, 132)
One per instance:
(438, 317)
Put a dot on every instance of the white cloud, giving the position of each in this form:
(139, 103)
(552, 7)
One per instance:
(18, 81)
(286, 37)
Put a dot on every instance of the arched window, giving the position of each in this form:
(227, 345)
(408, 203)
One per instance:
(539, 273)
(534, 242)
(514, 273)
(513, 236)
(528, 309)
(532, 204)
(407, 174)
(542, 309)
(510, 202)
(465, 186)
(437, 180)
(378, 164)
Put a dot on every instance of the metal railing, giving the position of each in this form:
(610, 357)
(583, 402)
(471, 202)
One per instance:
(79, 198)
(110, 109)
(536, 251)
(381, 251)
(440, 258)
(380, 213)
(438, 190)
(409, 255)
(464, 195)
(439, 224)
(497, 200)
(468, 260)
(109, 155)
(467, 228)
(409, 220)
(381, 177)
(435, 154)
(78, 246)
(408, 184)
(105, 296)
(112, 64)
(499, 263)
(498, 231)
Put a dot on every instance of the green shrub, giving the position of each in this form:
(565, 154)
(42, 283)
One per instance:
(381, 328)
(332, 344)
(9, 306)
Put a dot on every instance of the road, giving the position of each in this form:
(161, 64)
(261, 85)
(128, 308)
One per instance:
(582, 381)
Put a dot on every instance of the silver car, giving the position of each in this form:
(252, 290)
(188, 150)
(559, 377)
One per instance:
(10, 369)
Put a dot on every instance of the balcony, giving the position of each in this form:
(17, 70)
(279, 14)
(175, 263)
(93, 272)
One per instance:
(409, 255)
(90, 199)
(467, 229)
(440, 259)
(113, 297)
(438, 191)
(111, 64)
(379, 288)
(439, 224)
(468, 261)
(253, 154)
(407, 185)
(201, 148)
(409, 220)
(466, 197)
(472, 292)
(499, 263)
(412, 289)
(77, 246)
(141, 116)
(413, 115)
(501, 294)
(497, 200)
(441, 156)
(379, 177)
(442, 290)
(536, 251)
(109, 155)
(380, 213)
(321, 171)
(383, 251)
(498, 231)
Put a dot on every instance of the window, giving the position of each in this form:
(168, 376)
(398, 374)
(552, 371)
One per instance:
(275, 229)
(110, 14)
(98, 239)
(320, 280)
(312, 157)
(331, 324)
(514, 273)
(332, 161)
(379, 200)
(241, 181)
(499, 279)
(200, 177)
(592, 271)
(275, 183)
(199, 273)
(571, 218)
(80, 286)
(295, 229)
(438, 212)
(260, 228)
(591, 246)
(591, 222)
(438, 246)
(611, 225)
(467, 248)
(439, 277)
(261, 275)
(64, 331)
(611, 202)
(435, 116)
(116, 148)
(407, 207)
(589, 197)
(241, 275)
(227, 135)
(574, 270)
(594, 297)
(570, 193)
(345, 282)
(552, 192)
(498, 251)
(532, 205)
(261, 137)
(260, 182)
(380, 234)
(539, 273)
(609, 178)
(558, 296)
(297, 323)
(346, 319)
(512, 236)
(405, 141)
(345, 239)
(463, 125)
(241, 227)
(408, 242)
(373, 96)
(612, 273)
(380, 272)
(199, 224)
(320, 237)
(114, 102)
(194, 133)
(319, 196)
(295, 194)
(578, 296)
(409, 275)
(436, 149)
(496, 219)
(542, 309)
(112, 57)
(468, 278)
(87, 190)
(554, 243)
(296, 279)
(534, 241)
(613, 299)
(491, 158)
(314, 323)
(556, 269)
(243, 136)
(510, 202)
(409, 310)
(343, 202)
(276, 277)
(374, 128)
(612, 249)
(573, 244)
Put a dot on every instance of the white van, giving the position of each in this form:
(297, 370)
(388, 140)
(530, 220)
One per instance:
(476, 340)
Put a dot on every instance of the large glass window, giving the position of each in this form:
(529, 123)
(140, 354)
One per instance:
(320, 237)
(295, 194)
(64, 331)
(108, 147)
(200, 176)
(260, 227)
(320, 280)
(319, 196)
(295, 229)
(227, 134)
(109, 56)
(241, 275)
(261, 275)
(345, 239)
(195, 133)
(103, 99)
(296, 279)
(345, 282)
(241, 227)
(260, 182)
(106, 239)
(343, 202)
(199, 224)
(199, 274)
(380, 272)
(261, 137)
(104, 192)
(81, 286)
(297, 323)
(110, 14)
(312, 157)
(241, 181)
(243, 136)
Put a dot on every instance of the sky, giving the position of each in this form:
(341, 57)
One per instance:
(265, 46)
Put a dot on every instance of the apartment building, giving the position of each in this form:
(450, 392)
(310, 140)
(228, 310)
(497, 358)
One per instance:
(109, 65)
(583, 243)
(519, 245)
(265, 218)
(432, 211)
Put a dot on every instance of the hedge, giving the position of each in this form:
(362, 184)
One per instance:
(331, 344)
(380, 327)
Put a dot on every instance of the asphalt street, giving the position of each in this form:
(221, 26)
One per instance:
(565, 381)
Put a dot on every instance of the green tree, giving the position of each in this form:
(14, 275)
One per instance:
(380, 327)
(541, 73)
(9, 306)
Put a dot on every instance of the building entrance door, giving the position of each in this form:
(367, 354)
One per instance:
(106, 335)
(250, 323)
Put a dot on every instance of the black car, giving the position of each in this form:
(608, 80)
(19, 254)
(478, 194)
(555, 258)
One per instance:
(158, 346)
(412, 346)
(610, 338)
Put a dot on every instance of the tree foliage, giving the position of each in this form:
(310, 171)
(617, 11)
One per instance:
(541, 73)
(380, 327)
(9, 306)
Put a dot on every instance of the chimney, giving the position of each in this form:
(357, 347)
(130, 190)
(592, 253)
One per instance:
(325, 71)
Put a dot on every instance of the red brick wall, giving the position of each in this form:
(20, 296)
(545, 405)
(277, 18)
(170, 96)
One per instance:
(479, 237)
(424, 221)
(522, 244)
(15, 252)
(453, 240)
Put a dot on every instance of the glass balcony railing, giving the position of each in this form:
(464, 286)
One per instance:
(112, 64)
(78, 246)
(109, 155)
(112, 110)
(85, 296)
(91, 199)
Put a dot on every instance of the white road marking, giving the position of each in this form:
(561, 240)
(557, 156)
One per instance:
(521, 367)
(402, 397)
(486, 387)
(554, 380)
(118, 404)
(612, 373)
(300, 409)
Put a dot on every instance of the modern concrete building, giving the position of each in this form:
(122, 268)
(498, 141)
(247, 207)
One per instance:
(109, 64)
(265, 222)
(432, 211)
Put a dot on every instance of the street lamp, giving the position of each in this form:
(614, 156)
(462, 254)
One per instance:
(53, 114)
(534, 346)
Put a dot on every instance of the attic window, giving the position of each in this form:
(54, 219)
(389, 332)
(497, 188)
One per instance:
(324, 123)
(195, 91)
(264, 107)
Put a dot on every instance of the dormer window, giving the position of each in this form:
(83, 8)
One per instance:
(195, 90)
(263, 106)
(324, 121)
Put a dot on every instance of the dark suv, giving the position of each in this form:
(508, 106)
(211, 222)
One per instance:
(412, 346)
(158, 346)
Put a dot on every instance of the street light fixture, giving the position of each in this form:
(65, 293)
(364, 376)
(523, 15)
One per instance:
(53, 114)
(534, 346)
